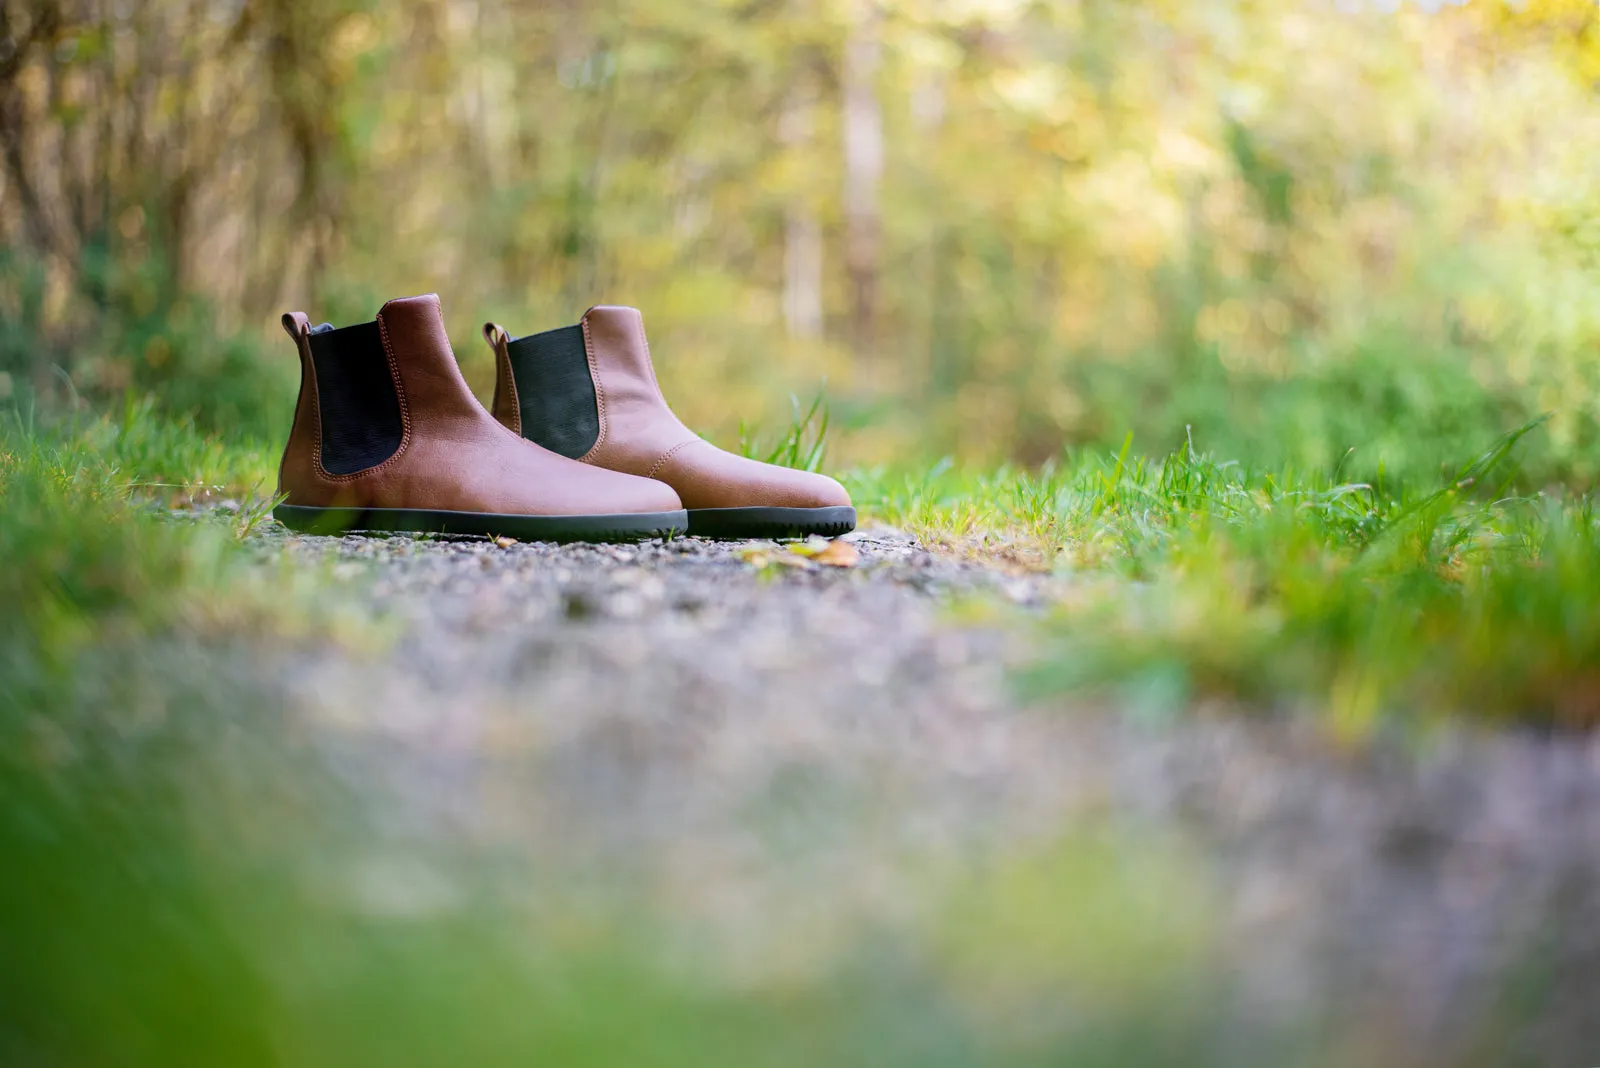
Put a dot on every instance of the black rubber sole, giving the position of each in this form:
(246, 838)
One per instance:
(771, 522)
(625, 526)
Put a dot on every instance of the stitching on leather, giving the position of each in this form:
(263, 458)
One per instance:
(316, 406)
(300, 330)
(502, 353)
(308, 378)
(405, 416)
(669, 454)
(599, 397)
(649, 361)
(400, 391)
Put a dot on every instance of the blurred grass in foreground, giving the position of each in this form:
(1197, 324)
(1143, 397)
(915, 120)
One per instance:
(190, 880)
(1294, 227)
(194, 878)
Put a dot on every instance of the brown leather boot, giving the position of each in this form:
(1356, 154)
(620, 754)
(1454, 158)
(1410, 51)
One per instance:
(387, 436)
(589, 392)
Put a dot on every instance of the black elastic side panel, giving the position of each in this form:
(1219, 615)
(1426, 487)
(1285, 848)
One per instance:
(555, 392)
(356, 401)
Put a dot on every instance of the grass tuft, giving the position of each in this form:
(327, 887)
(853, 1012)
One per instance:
(803, 445)
(1191, 578)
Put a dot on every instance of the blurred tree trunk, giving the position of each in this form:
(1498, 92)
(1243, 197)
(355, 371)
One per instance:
(802, 233)
(863, 169)
(302, 88)
(18, 41)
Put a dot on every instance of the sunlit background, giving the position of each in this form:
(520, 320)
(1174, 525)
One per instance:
(991, 227)
(1213, 335)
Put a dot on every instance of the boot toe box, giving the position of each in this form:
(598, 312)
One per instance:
(708, 477)
(818, 491)
(654, 496)
(613, 492)
(542, 483)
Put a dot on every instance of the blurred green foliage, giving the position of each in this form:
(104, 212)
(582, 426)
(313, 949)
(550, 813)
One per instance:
(196, 875)
(1345, 245)
(201, 871)
(994, 228)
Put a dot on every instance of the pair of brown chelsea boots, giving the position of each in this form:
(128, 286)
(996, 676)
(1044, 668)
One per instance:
(581, 445)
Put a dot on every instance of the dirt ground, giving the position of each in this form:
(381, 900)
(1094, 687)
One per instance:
(776, 748)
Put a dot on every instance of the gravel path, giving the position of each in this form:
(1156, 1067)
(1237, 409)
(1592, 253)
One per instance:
(784, 755)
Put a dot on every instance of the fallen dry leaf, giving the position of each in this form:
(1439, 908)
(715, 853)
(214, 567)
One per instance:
(812, 546)
(762, 557)
(837, 553)
(756, 555)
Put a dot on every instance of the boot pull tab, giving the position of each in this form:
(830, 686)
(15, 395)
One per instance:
(507, 410)
(296, 325)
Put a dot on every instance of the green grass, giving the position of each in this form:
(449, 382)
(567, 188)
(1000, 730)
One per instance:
(85, 544)
(803, 444)
(1190, 578)
(1184, 578)
(95, 557)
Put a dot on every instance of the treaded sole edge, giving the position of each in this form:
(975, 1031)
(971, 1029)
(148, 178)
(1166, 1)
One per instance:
(624, 526)
(771, 522)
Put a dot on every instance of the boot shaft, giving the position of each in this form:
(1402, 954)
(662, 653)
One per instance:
(357, 418)
(544, 383)
(588, 391)
(365, 390)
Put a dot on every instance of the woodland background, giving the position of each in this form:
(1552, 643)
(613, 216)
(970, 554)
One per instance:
(1242, 353)
(1284, 228)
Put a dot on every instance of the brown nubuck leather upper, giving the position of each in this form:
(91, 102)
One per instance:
(640, 435)
(453, 455)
